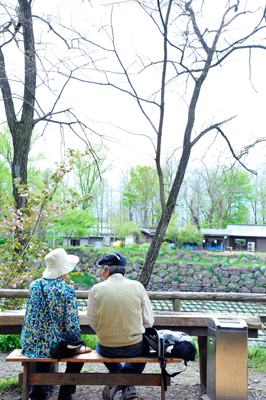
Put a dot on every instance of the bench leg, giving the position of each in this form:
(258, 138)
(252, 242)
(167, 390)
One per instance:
(202, 341)
(162, 390)
(25, 386)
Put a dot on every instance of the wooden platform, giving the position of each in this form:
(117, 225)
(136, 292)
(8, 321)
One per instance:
(192, 323)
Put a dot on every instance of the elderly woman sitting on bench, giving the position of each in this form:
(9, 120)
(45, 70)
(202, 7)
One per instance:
(43, 328)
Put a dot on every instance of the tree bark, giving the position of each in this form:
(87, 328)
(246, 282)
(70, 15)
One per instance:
(21, 130)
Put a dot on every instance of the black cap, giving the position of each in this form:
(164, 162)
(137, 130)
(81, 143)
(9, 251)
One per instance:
(113, 259)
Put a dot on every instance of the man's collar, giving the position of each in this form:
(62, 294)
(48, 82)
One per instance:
(117, 275)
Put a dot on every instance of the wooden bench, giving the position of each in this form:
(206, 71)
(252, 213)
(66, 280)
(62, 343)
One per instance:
(192, 323)
(28, 378)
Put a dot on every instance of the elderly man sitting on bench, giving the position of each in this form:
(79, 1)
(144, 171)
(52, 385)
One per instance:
(119, 309)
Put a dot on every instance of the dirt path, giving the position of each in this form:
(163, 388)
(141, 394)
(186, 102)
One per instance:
(184, 386)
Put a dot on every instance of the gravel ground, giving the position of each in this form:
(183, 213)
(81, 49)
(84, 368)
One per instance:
(184, 386)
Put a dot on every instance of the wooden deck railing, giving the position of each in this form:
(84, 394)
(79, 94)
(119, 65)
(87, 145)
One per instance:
(176, 297)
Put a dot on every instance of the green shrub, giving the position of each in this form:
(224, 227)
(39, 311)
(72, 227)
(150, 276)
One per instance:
(133, 279)
(83, 278)
(9, 342)
(90, 340)
(134, 246)
(145, 245)
(176, 278)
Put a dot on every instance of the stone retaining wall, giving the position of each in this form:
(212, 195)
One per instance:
(195, 271)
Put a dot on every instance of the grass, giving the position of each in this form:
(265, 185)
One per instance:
(8, 383)
(256, 357)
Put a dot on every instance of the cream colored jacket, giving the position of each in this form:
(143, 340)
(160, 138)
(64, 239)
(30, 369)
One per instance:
(119, 304)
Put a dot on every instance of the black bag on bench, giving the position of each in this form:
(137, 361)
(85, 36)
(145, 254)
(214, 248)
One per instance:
(170, 344)
(66, 349)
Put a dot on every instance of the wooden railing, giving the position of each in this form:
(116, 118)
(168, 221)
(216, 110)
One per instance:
(176, 297)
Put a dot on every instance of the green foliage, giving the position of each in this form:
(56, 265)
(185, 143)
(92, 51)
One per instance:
(145, 245)
(9, 342)
(83, 278)
(133, 246)
(141, 195)
(90, 341)
(75, 222)
(133, 279)
(88, 171)
(76, 274)
(256, 357)
(190, 234)
(172, 229)
(123, 228)
(176, 278)
(217, 196)
(22, 228)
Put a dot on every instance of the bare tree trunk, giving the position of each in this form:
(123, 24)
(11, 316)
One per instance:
(21, 130)
(154, 248)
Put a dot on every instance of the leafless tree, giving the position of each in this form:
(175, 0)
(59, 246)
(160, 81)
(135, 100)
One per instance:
(25, 40)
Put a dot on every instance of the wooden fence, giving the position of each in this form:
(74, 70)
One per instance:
(175, 297)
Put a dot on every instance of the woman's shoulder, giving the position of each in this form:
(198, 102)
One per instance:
(35, 284)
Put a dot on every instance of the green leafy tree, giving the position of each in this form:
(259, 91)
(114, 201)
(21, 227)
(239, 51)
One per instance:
(229, 196)
(90, 166)
(141, 195)
(126, 229)
(258, 198)
(173, 229)
(189, 234)
(34, 173)
(216, 196)
(76, 222)
(122, 228)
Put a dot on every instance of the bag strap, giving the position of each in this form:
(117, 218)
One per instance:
(48, 308)
(162, 361)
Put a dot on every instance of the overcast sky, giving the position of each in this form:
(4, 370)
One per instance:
(230, 90)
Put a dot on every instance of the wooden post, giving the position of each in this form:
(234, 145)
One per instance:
(202, 342)
(176, 305)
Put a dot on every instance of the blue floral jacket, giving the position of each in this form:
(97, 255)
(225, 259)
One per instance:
(39, 334)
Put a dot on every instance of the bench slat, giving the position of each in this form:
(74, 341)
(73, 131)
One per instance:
(92, 357)
(91, 378)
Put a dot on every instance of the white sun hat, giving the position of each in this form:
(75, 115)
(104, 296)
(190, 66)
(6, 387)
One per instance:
(58, 263)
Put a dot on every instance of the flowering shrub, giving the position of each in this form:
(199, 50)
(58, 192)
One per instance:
(20, 229)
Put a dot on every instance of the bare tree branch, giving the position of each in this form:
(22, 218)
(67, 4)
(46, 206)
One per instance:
(214, 126)
(245, 151)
